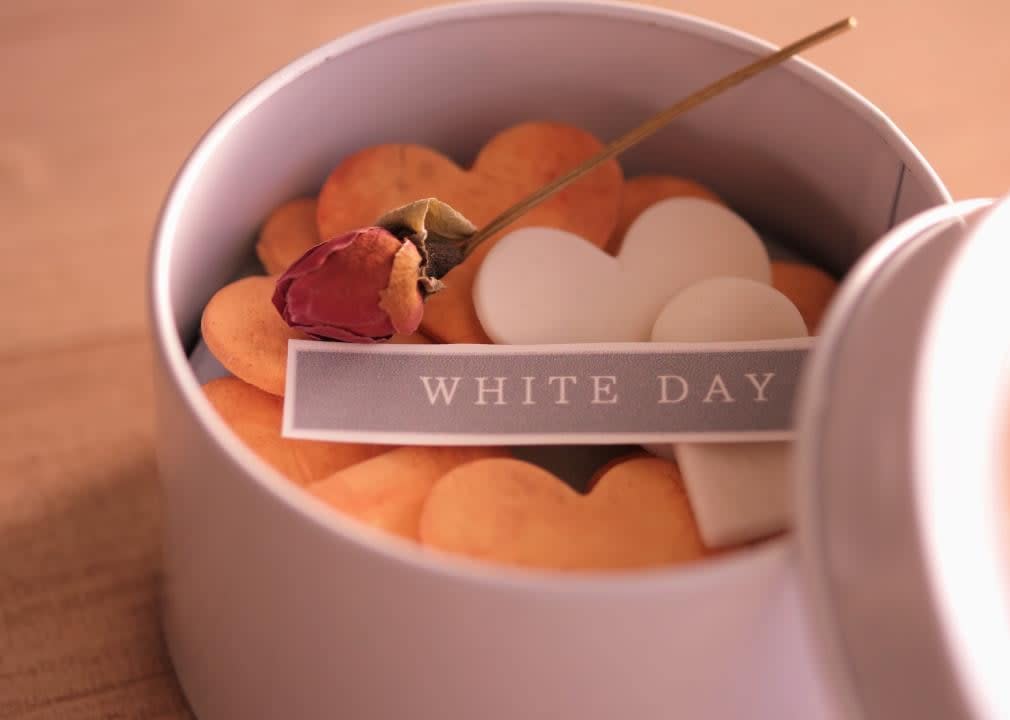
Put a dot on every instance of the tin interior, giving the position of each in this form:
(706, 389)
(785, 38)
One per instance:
(812, 165)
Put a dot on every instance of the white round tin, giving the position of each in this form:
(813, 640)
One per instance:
(277, 608)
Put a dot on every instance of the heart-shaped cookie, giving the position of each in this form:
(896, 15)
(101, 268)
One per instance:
(244, 331)
(509, 511)
(809, 288)
(542, 285)
(255, 417)
(739, 491)
(513, 164)
(288, 232)
(388, 491)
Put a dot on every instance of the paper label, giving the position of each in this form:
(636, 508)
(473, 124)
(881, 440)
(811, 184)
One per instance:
(603, 393)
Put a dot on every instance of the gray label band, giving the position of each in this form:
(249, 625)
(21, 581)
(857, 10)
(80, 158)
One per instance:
(542, 394)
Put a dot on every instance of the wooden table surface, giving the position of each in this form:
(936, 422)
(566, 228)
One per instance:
(100, 100)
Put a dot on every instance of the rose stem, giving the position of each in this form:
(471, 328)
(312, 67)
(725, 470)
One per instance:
(653, 124)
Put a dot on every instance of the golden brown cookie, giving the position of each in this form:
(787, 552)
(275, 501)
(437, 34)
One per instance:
(412, 339)
(514, 163)
(388, 491)
(255, 417)
(809, 288)
(246, 334)
(603, 470)
(509, 511)
(288, 232)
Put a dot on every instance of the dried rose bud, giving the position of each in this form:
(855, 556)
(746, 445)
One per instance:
(367, 284)
(359, 287)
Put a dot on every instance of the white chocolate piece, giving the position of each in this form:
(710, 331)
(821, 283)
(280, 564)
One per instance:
(738, 491)
(724, 309)
(539, 285)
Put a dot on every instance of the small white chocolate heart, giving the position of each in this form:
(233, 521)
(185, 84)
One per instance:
(738, 491)
(539, 285)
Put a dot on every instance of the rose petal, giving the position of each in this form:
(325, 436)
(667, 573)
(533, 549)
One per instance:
(333, 291)
(401, 300)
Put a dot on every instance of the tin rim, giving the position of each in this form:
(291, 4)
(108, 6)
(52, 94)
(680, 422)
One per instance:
(172, 356)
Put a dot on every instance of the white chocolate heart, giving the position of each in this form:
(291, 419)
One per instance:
(738, 491)
(539, 285)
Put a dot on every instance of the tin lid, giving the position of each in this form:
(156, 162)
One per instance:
(962, 424)
(896, 458)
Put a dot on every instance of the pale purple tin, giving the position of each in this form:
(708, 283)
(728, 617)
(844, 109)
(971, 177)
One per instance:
(278, 608)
